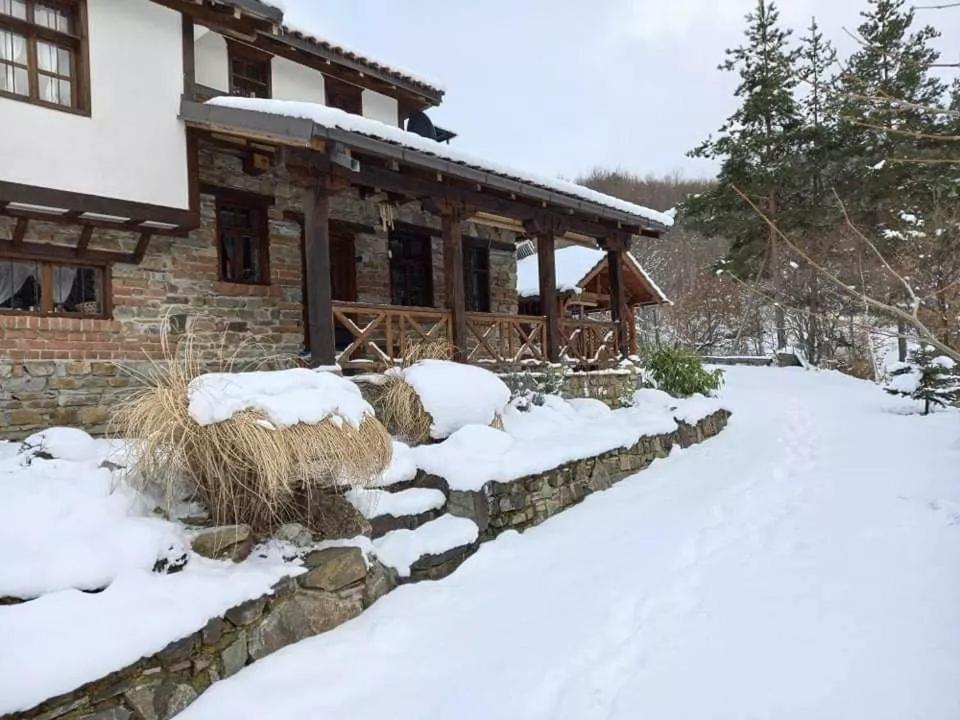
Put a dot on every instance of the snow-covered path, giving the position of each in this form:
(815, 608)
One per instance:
(804, 564)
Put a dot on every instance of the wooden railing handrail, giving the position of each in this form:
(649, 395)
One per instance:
(350, 306)
(507, 316)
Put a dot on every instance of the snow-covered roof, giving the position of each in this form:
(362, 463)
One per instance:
(299, 25)
(334, 118)
(573, 264)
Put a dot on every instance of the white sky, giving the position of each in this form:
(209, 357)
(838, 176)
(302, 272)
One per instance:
(561, 86)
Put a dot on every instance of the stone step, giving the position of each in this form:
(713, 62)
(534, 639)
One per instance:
(397, 510)
(431, 551)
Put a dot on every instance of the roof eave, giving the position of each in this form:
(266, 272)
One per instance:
(302, 131)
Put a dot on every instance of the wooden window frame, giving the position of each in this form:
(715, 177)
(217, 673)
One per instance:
(228, 197)
(46, 265)
(77, 41)
(336, 90)
(403, 236)
(470, 276)
(245, 53)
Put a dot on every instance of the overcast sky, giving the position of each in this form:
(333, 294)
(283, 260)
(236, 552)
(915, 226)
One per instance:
(561, 86)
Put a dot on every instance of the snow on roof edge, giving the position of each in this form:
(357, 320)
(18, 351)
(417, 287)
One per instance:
(334, 118)
(311, 35)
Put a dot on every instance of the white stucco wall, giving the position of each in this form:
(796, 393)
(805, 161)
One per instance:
(132, 147)
(210, 57)
(380, 107)
(297, 82)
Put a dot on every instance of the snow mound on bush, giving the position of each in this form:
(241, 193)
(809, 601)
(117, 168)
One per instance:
(65, 443)
(456, 395)
(69, 524)
(284, 397)
(589, 407)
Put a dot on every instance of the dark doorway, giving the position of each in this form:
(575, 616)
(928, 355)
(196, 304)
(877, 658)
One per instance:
(411, 269)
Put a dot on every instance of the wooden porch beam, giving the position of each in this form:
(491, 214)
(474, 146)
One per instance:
(316, 233)
(451, 218)
(547, 266)
(141, 248)
(86, 233)
(617, 300)
(20, 231)
(46, 251)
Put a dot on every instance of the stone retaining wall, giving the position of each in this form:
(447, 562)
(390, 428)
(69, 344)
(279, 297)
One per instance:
(529, 501)
(338, 586)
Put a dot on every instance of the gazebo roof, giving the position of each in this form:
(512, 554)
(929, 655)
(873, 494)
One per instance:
(577, 266)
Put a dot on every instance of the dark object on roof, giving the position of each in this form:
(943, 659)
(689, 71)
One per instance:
(444, 135)
(423, 126)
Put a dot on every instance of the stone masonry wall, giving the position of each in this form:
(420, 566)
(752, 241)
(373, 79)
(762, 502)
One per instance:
(60, 370)
(338, 585)
(529, 501)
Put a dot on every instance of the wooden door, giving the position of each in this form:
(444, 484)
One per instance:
(343, 281)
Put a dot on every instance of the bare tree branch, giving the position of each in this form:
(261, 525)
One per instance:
(883, 307)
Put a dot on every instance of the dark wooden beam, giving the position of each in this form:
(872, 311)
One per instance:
(64, 200)
(547, 266)
(86, 233)
(128, 226)
(141, 249)
(415, 186)
(44, 251)
(189, 59)
(20, 230)
(316, 211)
(451, 218)
(617, 299)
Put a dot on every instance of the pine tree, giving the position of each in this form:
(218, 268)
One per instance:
(928, 377)
(755, 144)
(892, 64)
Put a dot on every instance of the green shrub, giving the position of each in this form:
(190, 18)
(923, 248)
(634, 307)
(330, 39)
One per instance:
(681, 373)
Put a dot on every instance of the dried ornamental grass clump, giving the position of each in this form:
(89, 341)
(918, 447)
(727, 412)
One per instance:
(397, 403)
(261, 447)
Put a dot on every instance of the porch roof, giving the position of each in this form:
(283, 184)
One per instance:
(304, 123)
(576, 266)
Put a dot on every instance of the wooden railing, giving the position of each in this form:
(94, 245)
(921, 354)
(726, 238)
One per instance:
(368, 336)
(372, 336)
(589, 343)
(498, 339)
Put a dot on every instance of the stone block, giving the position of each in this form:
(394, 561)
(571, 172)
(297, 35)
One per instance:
(286, 623)
(380, 580)
(232, 542)
(247, 612)
(114, 713)
(40, 369)
(234, 656)
(334, 568)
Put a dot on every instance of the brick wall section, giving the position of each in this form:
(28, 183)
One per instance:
(70, 370)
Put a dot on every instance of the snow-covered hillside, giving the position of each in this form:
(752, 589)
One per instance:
(801, 565)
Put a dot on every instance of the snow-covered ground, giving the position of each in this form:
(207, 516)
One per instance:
(801, 565)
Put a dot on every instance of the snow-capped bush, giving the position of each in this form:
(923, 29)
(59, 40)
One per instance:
(680, 372)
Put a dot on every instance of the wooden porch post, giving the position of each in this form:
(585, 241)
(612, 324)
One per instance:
(547, 265)
(316, 230)
(451, 216)
(617, 300)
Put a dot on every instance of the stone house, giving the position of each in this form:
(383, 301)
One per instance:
(245, 180)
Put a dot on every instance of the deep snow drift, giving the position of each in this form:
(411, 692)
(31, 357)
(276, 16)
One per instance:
(803, 564)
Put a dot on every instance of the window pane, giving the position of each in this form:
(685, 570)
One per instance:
(13, 47)
(47, 56)
(66, 92)
(51, 17)
(19, 285)
(77, 290)
(21, 81)
(63, 61)
(48, 89)
(17, 8)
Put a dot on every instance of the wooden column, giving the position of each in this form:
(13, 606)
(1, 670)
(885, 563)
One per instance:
(451, 218)
(617, 299)
(189, 59)
(547, 265)
(319, 300)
